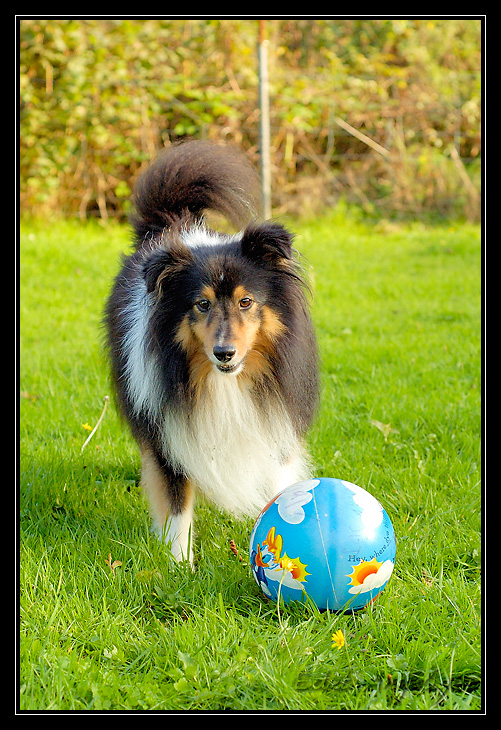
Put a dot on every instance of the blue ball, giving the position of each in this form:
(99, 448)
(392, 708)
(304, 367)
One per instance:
(323, 539)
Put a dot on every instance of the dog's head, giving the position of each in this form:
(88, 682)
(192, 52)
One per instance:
(222, 298)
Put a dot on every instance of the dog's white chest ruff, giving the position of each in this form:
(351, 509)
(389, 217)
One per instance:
(237, 456)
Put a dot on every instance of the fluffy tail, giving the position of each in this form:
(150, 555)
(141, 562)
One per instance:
(192, 177)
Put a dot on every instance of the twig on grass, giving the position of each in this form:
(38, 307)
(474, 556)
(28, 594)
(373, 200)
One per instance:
(106, 399)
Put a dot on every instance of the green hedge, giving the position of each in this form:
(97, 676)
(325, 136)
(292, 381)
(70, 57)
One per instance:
(99, 97)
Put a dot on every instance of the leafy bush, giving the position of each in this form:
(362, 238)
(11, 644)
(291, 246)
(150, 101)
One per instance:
(99, 97)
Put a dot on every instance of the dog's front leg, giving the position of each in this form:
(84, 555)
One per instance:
(170, 496)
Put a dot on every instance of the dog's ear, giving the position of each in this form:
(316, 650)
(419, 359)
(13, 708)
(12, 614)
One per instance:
(267, 243)
(164, 262)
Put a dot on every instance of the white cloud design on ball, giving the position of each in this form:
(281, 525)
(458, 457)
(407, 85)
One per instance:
(290, 502)
(372, 512)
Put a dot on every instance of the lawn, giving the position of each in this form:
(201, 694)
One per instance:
(108, 623)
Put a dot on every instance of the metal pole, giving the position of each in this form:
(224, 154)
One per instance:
(264, 120)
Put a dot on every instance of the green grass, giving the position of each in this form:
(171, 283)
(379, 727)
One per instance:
(397, 310)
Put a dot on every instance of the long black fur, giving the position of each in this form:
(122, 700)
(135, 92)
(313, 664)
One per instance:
(189, 178)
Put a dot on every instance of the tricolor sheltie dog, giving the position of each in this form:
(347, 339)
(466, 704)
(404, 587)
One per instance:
(213, 353)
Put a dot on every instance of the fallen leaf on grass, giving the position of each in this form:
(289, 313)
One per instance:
(427, 579)
(29, 396)
(385, 428)
(114, 564)
(234, 550)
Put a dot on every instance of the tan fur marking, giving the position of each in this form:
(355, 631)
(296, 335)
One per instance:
(153, 485)
(257, 362)
(200, 367)
(191, 340)
(240, 293)
(184, 335)
(271, 326)
(206, 333)
(208, 293)
(244, 333)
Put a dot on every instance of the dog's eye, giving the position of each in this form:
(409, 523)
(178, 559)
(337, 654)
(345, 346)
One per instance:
(203, 305)
(245, 303)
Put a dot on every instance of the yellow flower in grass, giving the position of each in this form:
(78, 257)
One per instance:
(338, 639)
(86, 426)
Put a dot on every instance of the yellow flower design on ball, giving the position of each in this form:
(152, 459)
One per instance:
(295, 567)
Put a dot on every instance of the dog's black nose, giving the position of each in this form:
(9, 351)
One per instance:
(224, 353)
